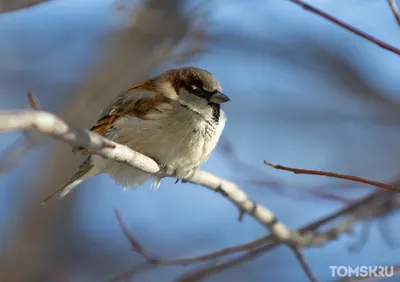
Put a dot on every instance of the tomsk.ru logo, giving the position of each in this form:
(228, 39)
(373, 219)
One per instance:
(361, 271)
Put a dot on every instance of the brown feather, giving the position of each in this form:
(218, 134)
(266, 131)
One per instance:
(139, 108)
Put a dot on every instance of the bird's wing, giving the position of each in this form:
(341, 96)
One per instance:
(139, 100)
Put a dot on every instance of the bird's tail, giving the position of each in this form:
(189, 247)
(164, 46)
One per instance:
(84, 172)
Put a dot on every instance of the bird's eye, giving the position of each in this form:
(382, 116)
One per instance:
(197, 91)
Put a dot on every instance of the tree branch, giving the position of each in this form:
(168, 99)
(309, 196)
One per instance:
(135, 243)
(395, 10)
(335, 175)
(355, 30)
(49, 124)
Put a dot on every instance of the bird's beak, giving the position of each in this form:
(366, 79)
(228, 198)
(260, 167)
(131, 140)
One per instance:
(219, 98)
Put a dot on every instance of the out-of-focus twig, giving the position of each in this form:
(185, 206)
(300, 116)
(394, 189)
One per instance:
(303, 262)
(355, 30)
(330, 196)
(13, 5)
(135, 243)
(395, 10)
(34, 102)
(335, 175)
(18, 150)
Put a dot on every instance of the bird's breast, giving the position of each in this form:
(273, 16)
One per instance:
(177, 140)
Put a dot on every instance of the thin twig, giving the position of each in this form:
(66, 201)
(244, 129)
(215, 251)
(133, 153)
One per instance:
(306, 268)
(34, 102)
(209, 271)
(254, 245)
(347, 26)
(335, 175)
(329, 196)
(395, 10)
(135, 243)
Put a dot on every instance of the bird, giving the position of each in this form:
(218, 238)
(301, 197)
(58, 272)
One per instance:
(174, 118)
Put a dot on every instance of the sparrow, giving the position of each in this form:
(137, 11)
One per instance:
(174, 118)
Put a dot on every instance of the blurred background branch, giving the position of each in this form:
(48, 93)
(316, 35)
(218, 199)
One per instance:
(347, 26)
(395, 10)
(13, 5)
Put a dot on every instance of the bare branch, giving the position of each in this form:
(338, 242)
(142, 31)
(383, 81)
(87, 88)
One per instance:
(395, 10)
(51, 125)
(330, 196)
(237, 196)
(306, 268)
(335, 175)
(355, 30)
(209, 271)
(135, 243)
(33, 101)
